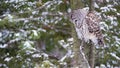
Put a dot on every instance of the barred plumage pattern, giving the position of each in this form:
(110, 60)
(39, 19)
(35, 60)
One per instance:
(87, 26)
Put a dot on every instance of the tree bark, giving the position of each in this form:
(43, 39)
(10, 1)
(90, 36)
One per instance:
(91, 56)
(92, 47)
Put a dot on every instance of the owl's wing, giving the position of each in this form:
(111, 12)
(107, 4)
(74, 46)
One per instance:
(94, 28)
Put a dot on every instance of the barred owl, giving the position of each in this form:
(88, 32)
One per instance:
(87, 26)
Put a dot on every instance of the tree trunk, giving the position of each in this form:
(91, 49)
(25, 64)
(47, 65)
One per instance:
(91, 55)
(92, 47)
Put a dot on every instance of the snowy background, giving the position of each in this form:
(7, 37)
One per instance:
(36, 33)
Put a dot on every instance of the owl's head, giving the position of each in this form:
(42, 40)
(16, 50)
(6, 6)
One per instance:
(77, 16)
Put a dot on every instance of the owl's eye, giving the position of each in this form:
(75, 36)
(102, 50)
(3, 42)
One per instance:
(75, 20)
